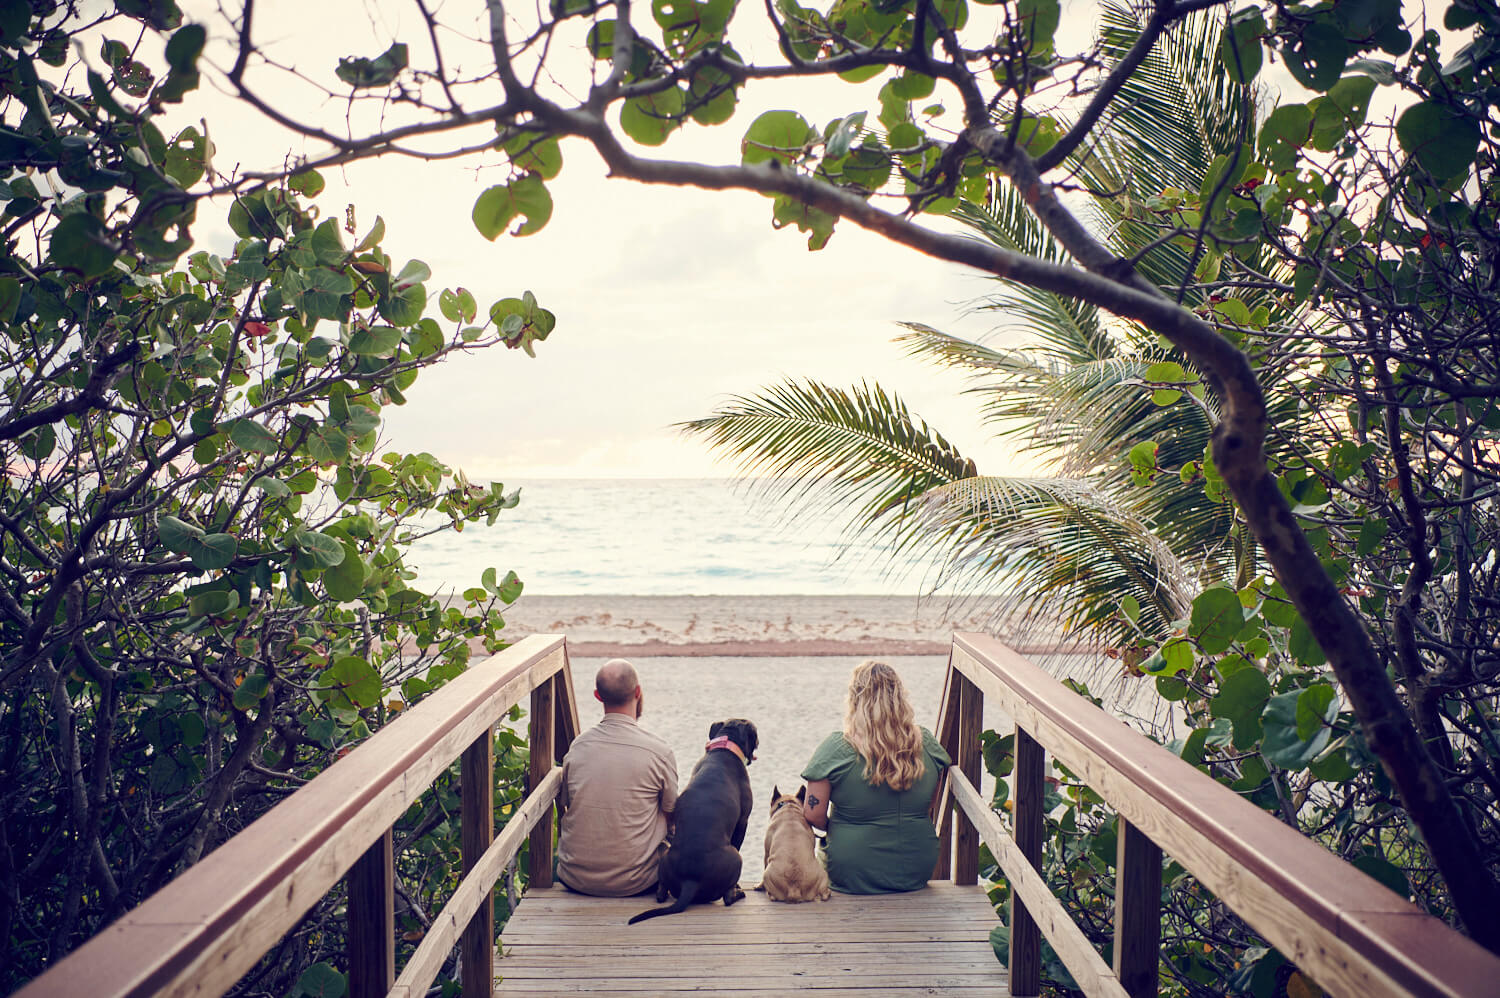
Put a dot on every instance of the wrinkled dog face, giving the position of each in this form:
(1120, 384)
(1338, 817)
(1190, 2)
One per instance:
(739, 731)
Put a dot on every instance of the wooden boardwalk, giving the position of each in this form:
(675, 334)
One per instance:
(930, 942)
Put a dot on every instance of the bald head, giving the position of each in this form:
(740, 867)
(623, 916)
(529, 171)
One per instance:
(616, 684)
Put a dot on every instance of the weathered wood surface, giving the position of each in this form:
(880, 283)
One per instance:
(929, 942)
(1350, 934)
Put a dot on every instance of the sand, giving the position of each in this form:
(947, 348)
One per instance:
(757, 625)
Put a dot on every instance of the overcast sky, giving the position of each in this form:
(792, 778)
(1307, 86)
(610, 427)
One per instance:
(667, 300)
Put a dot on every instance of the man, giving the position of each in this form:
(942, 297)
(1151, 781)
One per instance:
(619, 790)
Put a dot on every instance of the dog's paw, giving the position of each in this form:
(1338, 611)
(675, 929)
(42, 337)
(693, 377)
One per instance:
(760, 886)
(734, 894)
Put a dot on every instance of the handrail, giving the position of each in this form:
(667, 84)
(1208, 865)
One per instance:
(203, 931)
(1349, 933)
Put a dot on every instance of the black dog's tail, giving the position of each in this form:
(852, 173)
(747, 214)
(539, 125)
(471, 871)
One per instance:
(688, 895)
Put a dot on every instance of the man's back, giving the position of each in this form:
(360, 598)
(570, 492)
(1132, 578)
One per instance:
(619, 784)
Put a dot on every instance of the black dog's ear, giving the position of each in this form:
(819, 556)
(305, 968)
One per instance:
(716, 729)
(802, 793)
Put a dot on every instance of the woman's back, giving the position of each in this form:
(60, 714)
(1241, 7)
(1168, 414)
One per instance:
(879, 839)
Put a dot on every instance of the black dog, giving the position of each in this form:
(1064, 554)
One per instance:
(703, 862)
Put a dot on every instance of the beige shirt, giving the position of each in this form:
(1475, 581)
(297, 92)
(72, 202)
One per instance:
(619, 785)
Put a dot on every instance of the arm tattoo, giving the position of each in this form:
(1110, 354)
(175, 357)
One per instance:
(812, 801)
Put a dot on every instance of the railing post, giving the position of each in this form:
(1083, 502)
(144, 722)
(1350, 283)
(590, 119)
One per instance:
(1025, 936)
(371, 920)
(1137, 911)
(942, 808)
(970, 722)
(477, 946)
(542, 717)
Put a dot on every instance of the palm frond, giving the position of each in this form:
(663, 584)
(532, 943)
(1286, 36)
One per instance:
(859, 451)
(1067, 327)
(1059, 544)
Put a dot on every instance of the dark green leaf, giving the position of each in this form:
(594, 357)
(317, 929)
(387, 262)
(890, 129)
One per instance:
(1217, 619)
(381, 71)
(1440, 137)
(1240, 699)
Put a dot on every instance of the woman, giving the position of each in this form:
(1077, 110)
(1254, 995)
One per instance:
(879, 774)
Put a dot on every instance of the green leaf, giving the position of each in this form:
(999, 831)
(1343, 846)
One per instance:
(535, 153)
(324, 550)
(1285, 130)
(248, 435)
(375, 341)
(1385, 872)
(358, 680)
(510, 588)
(1217, 619)
(457, 306)
(1303, 646)
(251, 690)
(1240, 699)
(80, 245)
(321, 980)
(1038, 20)
(651, 118)
(1315, 709)
(178, 535)
(308, 183)
(405, 304)
(346, 580)
(1316, 59)
(1282, 744)
(526, 197)
(1441, 138)
(213, 551)
(778, 135)
(1240, 47)
(1371, 533)
(1166, 371)
(358, 71)
(187, 157)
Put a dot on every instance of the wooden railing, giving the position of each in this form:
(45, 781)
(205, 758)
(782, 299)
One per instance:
(203, 931)
(1347, 932)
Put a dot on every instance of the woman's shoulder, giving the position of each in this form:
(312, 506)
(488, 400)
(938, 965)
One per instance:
(934, 748)
(831, 754)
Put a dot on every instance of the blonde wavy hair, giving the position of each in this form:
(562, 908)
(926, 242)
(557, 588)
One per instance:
(881, 726)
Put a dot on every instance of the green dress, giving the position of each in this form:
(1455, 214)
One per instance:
(879, 840)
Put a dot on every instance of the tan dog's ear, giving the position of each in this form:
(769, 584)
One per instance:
(775, 796)
(802, 793)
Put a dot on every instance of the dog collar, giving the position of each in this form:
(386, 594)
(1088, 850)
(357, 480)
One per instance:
(723, 742)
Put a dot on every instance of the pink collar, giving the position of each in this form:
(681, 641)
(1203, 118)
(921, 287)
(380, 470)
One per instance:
(723, 742)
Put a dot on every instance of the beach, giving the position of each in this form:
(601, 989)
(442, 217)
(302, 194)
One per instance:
(780, 661)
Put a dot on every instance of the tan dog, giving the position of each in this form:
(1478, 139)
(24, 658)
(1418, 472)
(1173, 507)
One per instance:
(793, 872)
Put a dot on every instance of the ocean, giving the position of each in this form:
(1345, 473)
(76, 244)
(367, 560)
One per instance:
(705, 537)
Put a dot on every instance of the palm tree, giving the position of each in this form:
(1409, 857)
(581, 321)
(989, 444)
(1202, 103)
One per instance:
(1084, 540)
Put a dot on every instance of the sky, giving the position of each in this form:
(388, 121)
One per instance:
(668, 300)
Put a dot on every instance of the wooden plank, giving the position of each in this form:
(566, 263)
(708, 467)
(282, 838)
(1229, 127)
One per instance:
(1137, 911)
(1341, 927)
(941, 811)
(935, 940)
(1025, 936)
(211, 924)
(477, 784)
(970, 723)
(540, 762)
(371, 918)
(1088, 968)
(475, 888)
